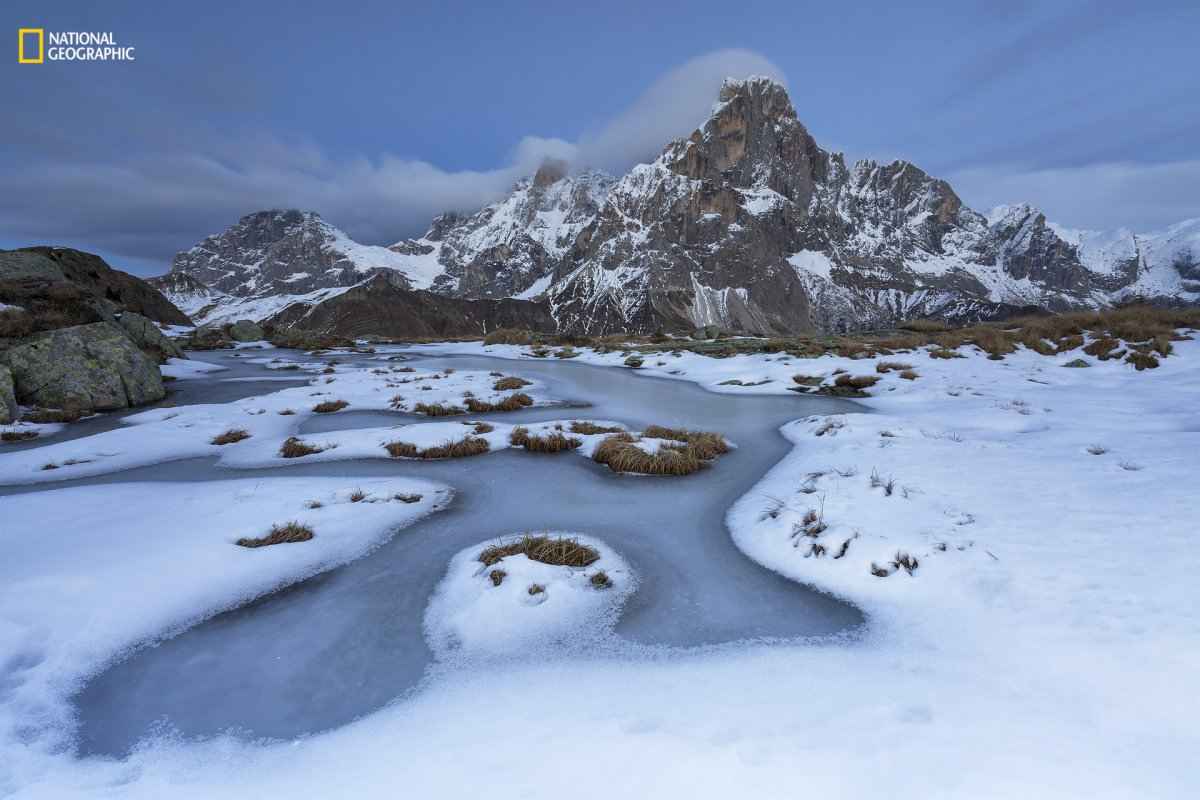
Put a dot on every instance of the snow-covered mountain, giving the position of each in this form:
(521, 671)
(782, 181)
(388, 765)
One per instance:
(746, 224)
(510, 248)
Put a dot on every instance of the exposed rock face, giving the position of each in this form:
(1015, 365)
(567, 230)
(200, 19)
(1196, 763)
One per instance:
(60, 287)
(82, 369)
(510, 248)
(187, 293)
(146, 335)
(8, 396)
(378, 307)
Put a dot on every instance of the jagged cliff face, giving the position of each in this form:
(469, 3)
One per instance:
(510, 248)
(746, 224)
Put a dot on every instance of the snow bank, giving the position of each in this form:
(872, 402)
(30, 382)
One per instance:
(470, 615)
(84, 579)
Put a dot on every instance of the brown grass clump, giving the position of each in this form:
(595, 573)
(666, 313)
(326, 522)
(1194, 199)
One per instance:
(705, 444)
(508, 384)
(1142, 361)
(555, 442)
(401, 449)
(554, 550)
(856, 381)
(294, 447)
(1102, 347)
(589, 428)
(437, 410)
(280, 534)
(945, 352)
(695, 449)
(18, 436)
(497, 576)
(483, 427)
(357, 496)
(993, 342)
(884, 367)
(231, 436)
(600, 580)
(514, 402)
(509, 336)
(329, 406)
(462, 448)
(909, 375)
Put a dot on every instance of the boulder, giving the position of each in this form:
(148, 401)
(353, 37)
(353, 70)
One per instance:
(146, 335)
(8, 397)
(82, 369)
(209, 337)
(245, 330)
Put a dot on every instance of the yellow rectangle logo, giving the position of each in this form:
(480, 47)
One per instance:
(22, 57)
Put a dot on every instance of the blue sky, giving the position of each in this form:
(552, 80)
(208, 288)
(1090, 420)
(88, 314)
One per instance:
(378, 115)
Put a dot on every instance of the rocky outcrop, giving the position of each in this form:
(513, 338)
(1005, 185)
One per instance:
(8, 396)
(149, 339)
(380, 308)
(245, 330)
(82, 369)
(76, 287)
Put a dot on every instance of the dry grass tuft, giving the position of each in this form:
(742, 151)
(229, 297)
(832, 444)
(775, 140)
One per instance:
(231, 436)
(497, 576)
(548, 443)
(600, 580)
(329, 406)
(884, 367)
(508, 384)
(462, 448)
(621, 453)
(294, 447)
(554, 550)
(707, 445)
(357, 496)
(437, 410)
(945, 352)
(909, 375)
(1142, 361)
(18, 436)
(589, 428)
(280, 534)
(482, 427)
(514, 402)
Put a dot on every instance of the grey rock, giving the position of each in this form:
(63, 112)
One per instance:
(8, 396)
(84, 368)
(245, 330)
(146, 335)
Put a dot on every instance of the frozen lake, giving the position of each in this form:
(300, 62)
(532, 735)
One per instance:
(335, 647)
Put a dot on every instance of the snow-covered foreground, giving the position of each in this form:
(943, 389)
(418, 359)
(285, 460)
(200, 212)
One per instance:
(1020, 534)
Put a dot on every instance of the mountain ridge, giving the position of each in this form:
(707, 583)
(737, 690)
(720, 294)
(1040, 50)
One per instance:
(747, 224)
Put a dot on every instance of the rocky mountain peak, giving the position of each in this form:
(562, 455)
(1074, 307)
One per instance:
(752, 140)
(550, 172)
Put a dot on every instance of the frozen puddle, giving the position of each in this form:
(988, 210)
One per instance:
(344, 643)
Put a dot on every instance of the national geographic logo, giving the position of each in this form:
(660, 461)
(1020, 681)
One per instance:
(36, 46)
